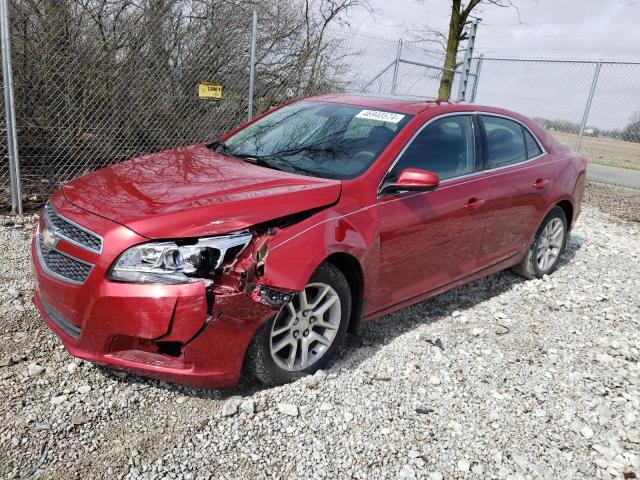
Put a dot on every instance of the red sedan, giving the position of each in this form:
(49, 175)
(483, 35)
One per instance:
(264, 248)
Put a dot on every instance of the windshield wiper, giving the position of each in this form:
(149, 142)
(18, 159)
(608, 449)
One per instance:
(223, 148)
(262, 162)
(275, 163)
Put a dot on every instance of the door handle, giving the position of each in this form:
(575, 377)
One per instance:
(540, 183)
(474, 204)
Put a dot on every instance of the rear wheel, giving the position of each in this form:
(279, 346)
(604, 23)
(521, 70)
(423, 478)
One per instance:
(543, 254)
(306, 332)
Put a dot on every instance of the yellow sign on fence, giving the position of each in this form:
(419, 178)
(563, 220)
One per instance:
(210, 91)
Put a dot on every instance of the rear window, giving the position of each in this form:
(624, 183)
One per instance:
(533, 149)
(505, 142)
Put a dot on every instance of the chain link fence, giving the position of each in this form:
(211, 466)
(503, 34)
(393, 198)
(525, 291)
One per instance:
(592, 106)
(97, 82)
(413, 70)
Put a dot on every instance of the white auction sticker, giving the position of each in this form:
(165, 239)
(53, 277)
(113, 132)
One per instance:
(380, 116)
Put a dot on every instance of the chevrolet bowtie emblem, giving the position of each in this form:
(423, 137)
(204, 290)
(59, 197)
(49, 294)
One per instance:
(49, 238)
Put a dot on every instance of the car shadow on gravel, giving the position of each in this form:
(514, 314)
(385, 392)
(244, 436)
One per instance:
(375, 334)
(381, 331)
(246, 387)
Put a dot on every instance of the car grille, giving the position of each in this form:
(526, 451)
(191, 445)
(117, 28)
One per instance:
(61, 265)
(71, 232)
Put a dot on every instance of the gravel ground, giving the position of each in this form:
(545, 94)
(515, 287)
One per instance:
(502, 378)
(621, 202)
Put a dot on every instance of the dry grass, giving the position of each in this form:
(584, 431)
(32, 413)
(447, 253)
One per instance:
(604, 150)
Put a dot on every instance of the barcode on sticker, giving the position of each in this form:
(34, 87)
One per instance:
(380, 116)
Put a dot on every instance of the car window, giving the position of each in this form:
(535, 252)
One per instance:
(444, 146)
(322, 139)
(505, 142)
(363, 128)
(533, 149)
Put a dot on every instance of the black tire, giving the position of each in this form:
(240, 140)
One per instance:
(528, 267)
(259, 361)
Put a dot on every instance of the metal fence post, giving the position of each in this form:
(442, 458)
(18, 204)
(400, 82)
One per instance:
(382, 72)
(466, 63)
(252, 67)
(396, 68)
(585, 117)
(12, 139)
(475, 83)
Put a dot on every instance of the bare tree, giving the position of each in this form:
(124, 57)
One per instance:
(631, 132)
(458, 32)
(98, 81)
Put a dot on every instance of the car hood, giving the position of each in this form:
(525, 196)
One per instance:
(192, 191)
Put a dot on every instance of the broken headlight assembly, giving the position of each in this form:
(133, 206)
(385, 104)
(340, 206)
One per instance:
(179, 261)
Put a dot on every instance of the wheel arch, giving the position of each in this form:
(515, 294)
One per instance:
(565, 202)
(350, 267)
(567, 207)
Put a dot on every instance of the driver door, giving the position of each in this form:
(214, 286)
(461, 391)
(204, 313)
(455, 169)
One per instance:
(430, 239)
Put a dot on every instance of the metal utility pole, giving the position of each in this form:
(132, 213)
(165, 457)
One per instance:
(396, 68)
(585, 116)
(12, 139)
(466, 63)
(252, 67)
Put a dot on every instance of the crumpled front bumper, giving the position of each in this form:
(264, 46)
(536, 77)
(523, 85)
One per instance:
(169, 332)
(212, 359)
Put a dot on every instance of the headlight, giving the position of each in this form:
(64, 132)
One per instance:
(177, 262)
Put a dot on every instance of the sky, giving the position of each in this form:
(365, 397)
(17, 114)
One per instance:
(591, 30)
(577, 29)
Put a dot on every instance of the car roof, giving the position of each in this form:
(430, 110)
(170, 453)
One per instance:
(397, 103)
(414, 105)
(411, 105)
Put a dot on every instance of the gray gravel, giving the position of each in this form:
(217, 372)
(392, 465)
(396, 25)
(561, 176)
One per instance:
(620, 202)
(502, 378)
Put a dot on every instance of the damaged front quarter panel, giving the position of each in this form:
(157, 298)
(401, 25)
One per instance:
(248, 275)
(242, 303)
(243, 276)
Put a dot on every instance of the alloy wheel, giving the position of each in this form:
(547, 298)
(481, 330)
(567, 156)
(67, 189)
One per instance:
(550, 244)
(306, 327)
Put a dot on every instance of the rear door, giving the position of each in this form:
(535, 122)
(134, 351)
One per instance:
(518, 174)
(429, 239)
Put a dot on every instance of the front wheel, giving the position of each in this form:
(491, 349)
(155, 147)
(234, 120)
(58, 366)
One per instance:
(543, 254)
(306, 332)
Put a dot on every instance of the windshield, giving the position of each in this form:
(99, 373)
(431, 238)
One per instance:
(328, 140)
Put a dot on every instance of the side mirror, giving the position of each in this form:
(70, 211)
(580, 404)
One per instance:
(413, 180)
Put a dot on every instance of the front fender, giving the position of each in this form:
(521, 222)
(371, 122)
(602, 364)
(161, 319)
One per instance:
(297, 251)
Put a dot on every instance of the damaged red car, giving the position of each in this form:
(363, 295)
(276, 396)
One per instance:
(262, 249)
